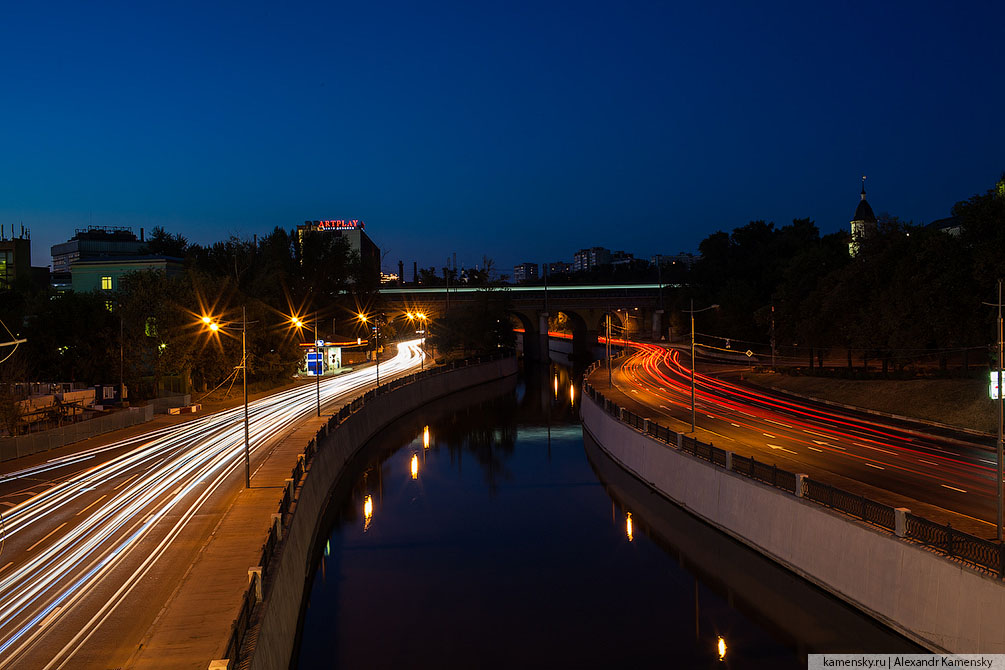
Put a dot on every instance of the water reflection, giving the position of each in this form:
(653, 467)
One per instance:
(531, 551)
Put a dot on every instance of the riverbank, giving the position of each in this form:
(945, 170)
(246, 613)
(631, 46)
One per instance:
(962, 403)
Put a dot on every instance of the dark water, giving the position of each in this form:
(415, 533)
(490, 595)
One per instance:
(509, 548)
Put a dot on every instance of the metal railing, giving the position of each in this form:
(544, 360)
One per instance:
(985, 554)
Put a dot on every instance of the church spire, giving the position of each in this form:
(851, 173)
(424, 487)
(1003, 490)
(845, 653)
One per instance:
(863, 187)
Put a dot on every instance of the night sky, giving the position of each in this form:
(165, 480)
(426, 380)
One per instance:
(519, 131)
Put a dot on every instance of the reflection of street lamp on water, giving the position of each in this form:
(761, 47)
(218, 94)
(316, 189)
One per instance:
(367, 512)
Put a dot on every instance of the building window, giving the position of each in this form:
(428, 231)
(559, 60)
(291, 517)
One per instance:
(106, 283)
(110, 305)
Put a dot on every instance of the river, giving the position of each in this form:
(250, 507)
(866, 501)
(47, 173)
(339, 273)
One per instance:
(486, 531)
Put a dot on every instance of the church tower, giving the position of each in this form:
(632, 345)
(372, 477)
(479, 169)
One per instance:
(863, 224)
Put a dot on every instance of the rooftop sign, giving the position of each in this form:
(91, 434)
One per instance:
(337, 224)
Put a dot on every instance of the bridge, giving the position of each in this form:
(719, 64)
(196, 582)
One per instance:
(635, 309)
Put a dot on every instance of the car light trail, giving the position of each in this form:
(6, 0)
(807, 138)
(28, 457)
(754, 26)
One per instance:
(660, 379)
(77, 541)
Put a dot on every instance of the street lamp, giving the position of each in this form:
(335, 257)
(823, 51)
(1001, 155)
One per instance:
(421, 317)
(318, 365)
(694, 311)
(376, 339)
(215, 327)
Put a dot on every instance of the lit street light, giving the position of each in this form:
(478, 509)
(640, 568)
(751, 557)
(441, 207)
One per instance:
(376, 339)
(318, 363)
(215, 327)
(692, 312)
(421, 317)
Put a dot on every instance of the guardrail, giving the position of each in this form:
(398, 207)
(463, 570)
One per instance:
(239, 646)
(987, 555)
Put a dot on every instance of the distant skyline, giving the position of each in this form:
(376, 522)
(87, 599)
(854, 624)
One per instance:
(518, 131)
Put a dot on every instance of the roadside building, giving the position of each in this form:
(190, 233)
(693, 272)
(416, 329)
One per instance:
(525, 272)
(353, 230)
(95, 242)
(15, 262)
(104, 274)
(16, 271)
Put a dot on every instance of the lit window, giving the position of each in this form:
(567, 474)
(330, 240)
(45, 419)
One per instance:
(110, 305)
(106, 283)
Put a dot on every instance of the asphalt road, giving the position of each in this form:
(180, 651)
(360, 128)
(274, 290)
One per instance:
(94, 542)
(949, 470)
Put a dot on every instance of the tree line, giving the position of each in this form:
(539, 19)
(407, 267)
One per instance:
(910, 291)
(150, 328)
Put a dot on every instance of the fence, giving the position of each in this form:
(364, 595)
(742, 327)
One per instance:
(25, 445)
(241, 641)
(975, 551)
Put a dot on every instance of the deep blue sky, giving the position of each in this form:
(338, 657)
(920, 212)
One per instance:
(520, 131)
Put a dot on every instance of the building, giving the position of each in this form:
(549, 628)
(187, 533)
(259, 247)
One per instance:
(587, 259)
(15, 262)
(949, 225)
(353, 231)
(16, 271)
(104, 274)
(525, 272)
(559, 268)
(863, 223)
(95, 242)
(622, 258)
(685, 260)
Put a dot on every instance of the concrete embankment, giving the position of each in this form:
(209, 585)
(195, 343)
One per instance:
(940, 603)
(285, 589)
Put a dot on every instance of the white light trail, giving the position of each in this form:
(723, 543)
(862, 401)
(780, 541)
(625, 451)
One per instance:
(174, 469)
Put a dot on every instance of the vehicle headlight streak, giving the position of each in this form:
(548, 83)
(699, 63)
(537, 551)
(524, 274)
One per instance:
(648, 368)
(163, 469)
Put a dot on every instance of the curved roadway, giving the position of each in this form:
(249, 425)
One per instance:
(949, 470)
(98, 525)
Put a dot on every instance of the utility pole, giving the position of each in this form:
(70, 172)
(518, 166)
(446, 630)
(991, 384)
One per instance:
(610, 380)
(317, 360)
(692, 365)
(772, 338)
(1001, 409)
(244, 375)
(122, 383)
(659, 277)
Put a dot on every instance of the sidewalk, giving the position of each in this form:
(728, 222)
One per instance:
(193, 626)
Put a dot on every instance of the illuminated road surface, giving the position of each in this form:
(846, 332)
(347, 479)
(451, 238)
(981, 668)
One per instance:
(952, 471)
(73, 552)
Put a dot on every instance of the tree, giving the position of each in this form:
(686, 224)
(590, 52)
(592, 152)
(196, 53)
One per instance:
(162, 243)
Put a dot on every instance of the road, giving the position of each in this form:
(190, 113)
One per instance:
(85, 533)
(946, 469)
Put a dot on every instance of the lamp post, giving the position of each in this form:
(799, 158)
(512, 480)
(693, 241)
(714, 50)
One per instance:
(376, 340)
(215, 327)
(318, 364)
(610, 376)
(421, 317)
(694, 311)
